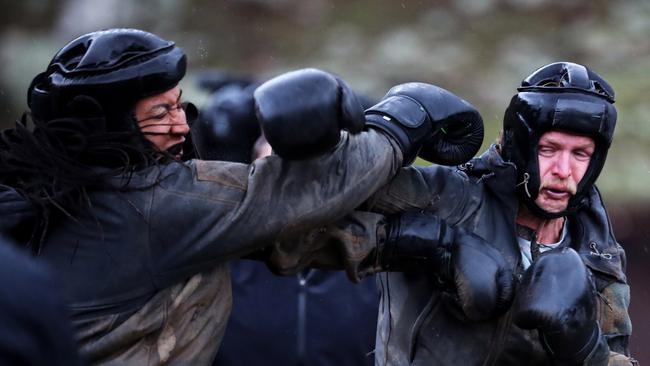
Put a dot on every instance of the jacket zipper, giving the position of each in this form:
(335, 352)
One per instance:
(302, 277)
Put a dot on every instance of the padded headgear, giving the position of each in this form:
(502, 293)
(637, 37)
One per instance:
(561, 96)
(116, 67)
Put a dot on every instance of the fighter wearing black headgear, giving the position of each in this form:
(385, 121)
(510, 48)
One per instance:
(115, 67)
(562, 96)
(82, 108)
(508, 259)
(140, 238)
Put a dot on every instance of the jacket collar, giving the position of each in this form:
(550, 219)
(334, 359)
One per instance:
(595, 239)
(498, 175)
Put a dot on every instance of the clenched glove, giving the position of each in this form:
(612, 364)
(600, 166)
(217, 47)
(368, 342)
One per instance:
(302, 112)
(429, 121)
(479, 278)
(557, 296)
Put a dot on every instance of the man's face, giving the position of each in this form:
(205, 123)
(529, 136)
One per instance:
(563, 160)
(162, 121)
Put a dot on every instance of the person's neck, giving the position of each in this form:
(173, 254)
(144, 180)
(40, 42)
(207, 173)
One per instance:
(548, 231)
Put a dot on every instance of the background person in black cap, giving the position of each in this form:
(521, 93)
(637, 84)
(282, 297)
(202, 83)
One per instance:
(527, 207)
(141, 239)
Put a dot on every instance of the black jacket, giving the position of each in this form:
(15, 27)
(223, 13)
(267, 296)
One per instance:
(145, 271)
(415, 327)
(311, 318)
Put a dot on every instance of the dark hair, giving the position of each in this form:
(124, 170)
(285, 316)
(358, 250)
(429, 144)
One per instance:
(53, 164)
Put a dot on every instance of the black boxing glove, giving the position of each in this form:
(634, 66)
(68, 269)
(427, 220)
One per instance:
(557, 296)
(302, 112)
(227, 128)
(473, 274)
(430, 122)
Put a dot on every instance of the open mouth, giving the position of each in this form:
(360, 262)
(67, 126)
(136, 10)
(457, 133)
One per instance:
(176, 151)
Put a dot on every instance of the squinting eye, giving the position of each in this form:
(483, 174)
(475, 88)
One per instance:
(545, 150)
(582, 154)
(160, 116)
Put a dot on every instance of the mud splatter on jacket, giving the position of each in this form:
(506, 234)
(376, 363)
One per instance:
(145, 273)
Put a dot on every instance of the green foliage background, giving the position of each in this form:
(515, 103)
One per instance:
(480, 49)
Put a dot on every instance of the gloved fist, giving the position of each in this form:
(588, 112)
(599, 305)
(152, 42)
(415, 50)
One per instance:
(558, 297)
(477, 275)
(429, 120)
(302, 112)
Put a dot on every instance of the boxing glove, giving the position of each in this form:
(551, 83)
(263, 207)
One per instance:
(557, 296)
(429, 120)
(472, 272)
(302, 112)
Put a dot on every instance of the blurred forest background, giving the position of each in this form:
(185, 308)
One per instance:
(479, 49)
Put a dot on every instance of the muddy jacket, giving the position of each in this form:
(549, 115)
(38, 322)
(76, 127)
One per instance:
(145, 272)
(414, 326)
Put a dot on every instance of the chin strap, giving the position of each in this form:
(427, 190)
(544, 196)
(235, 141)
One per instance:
(525, 183)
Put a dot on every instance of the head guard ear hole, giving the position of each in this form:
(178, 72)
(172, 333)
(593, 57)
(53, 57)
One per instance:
(549, 82)
(600, 90)
(565, 80)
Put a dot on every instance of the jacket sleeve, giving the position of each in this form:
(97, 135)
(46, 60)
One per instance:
(439, 189)
(613, 300)
(349, 244)
(352, 242)
(615, 323)
(206, 212)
